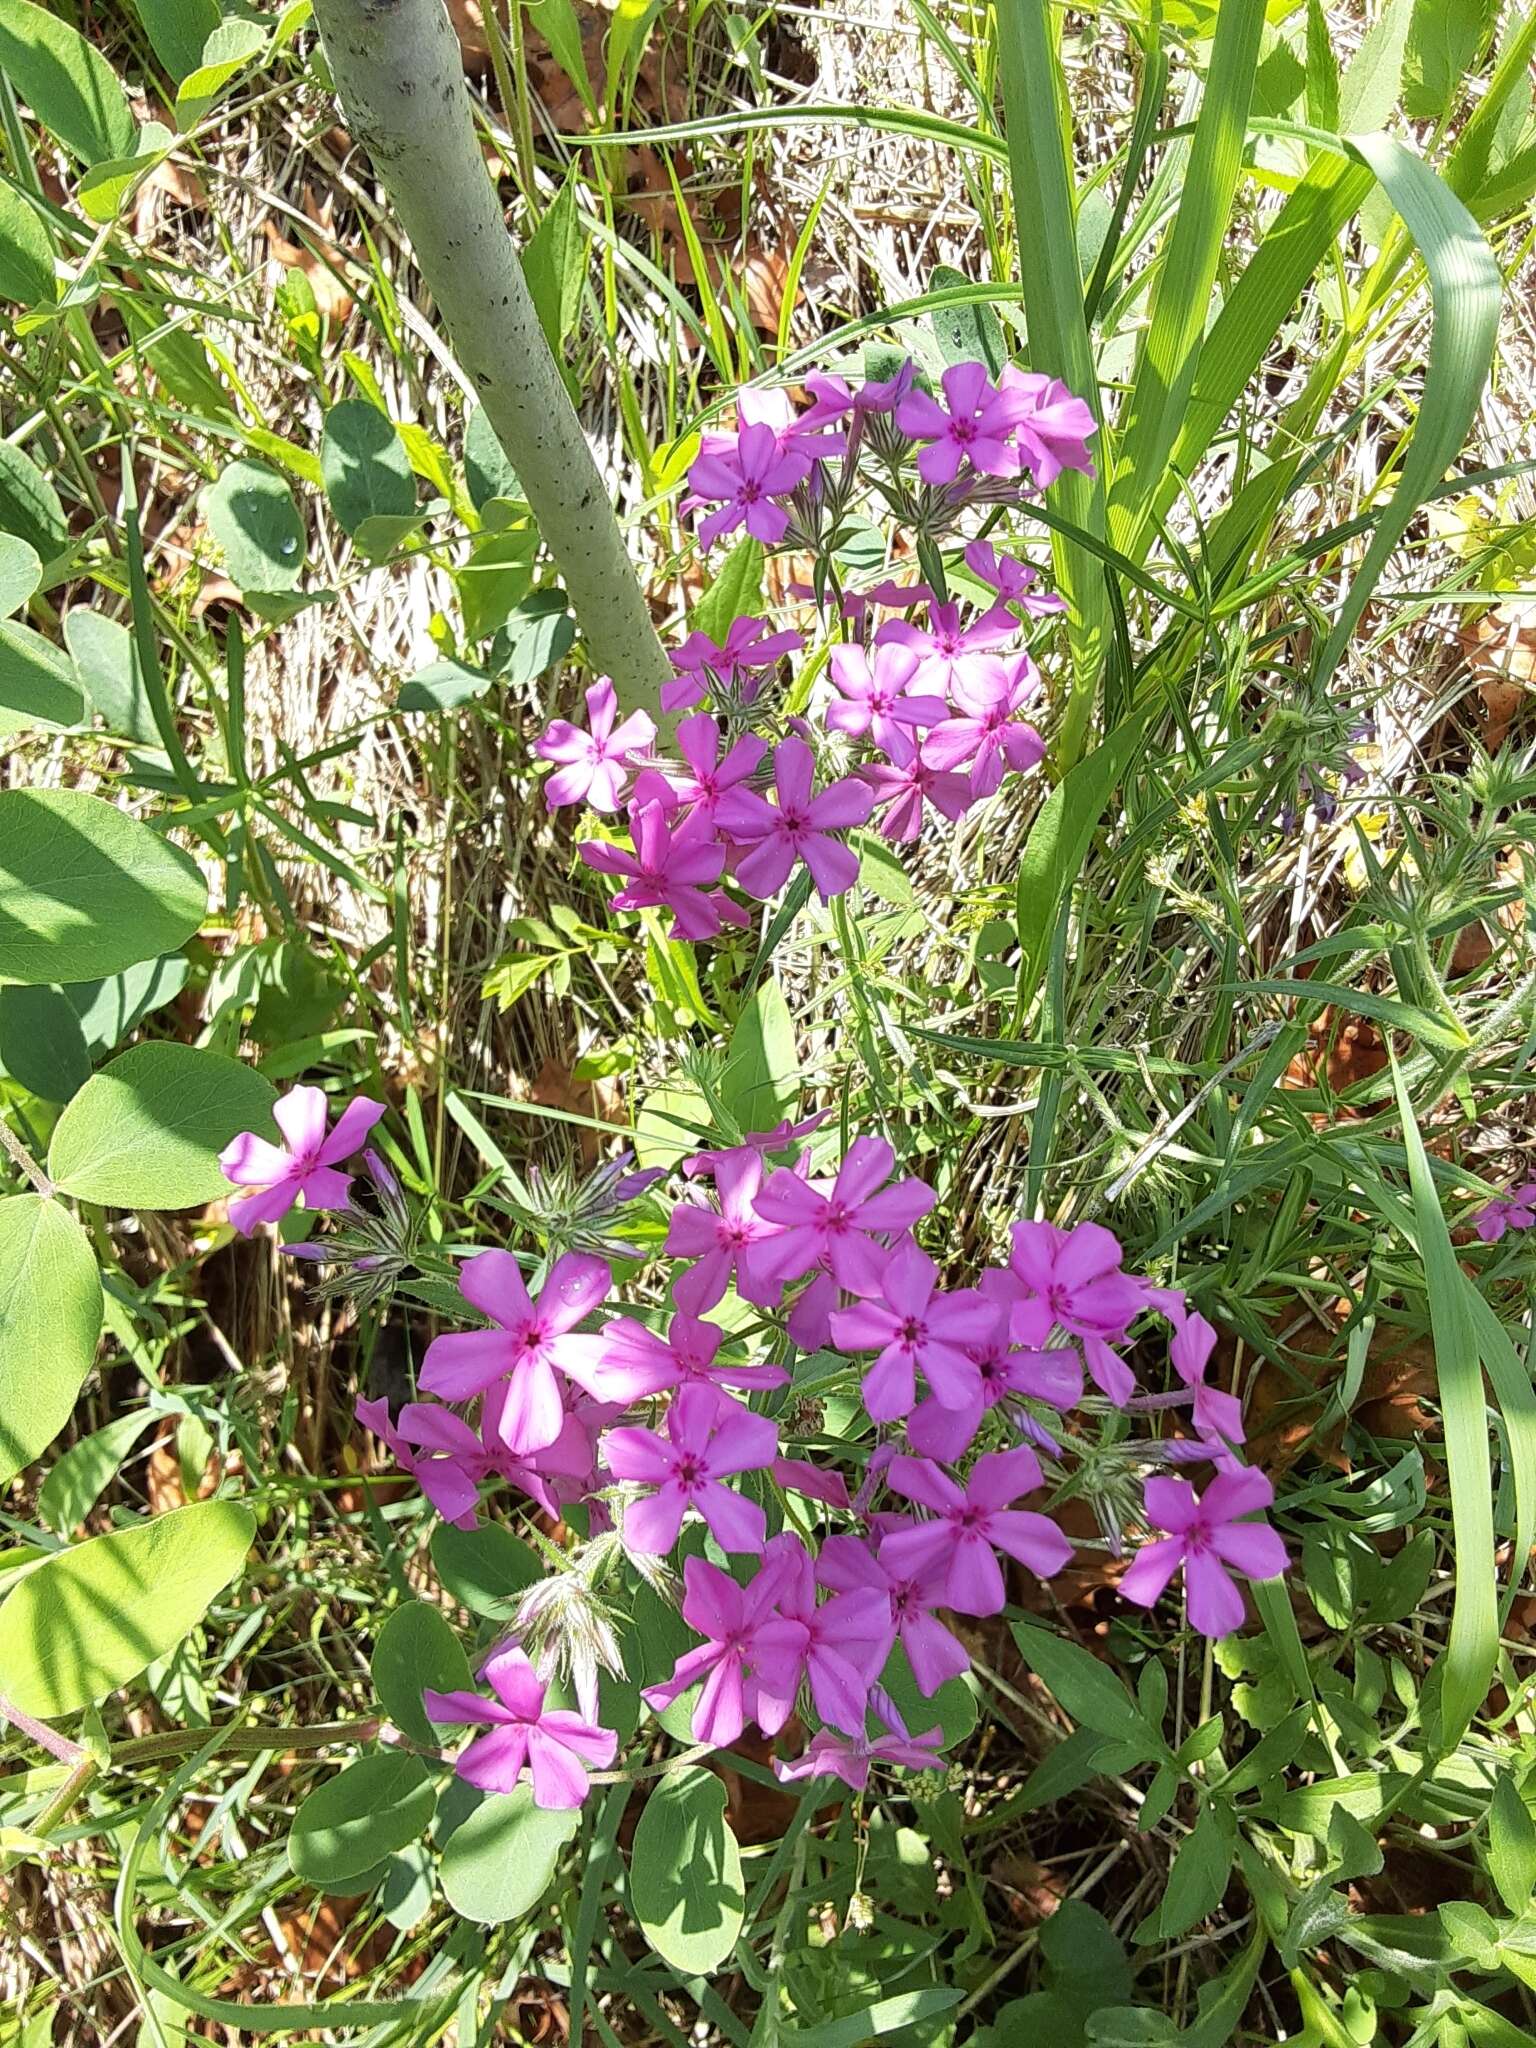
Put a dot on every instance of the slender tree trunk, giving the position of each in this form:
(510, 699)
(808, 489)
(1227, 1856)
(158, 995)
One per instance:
(400, 78)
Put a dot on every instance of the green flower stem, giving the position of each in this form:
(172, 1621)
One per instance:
(400, 77)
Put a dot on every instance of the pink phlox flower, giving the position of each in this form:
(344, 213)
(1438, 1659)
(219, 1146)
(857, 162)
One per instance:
(830, 1755)
(530, 1342)
(735, 663)
(799, 433)
(689, 1351)
(1011, 579)
(1076, 1273)
(1004, 1367)
(726, 1242)
(971, 1523)
(847, 1640)
(746, 1638)
(876, 694)
(1217, 1414)
(779, 1139)
(668, 869)
(304, 1168)
(703, 777)
(834, 398)
(1209, 1539)
(743, 474)
(850, 1564)
(985, 730)
(841, 1224)
(567, 1470)
(916, 1329)
(1514, 1211)
(1052, 429)
(905, 782)
(709, 1438)
(799, 827)
(594, 764)
(945, 652)
(449, 1460)
(974, 424)
(557, 1744)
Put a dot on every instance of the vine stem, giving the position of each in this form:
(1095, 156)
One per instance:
(23, 1161)
(399, 74)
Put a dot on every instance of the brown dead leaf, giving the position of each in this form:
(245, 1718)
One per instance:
(1032, 1892)
(468, 19)
(1500, 650)
(168, 184)
(331, 296)
(163, 1481)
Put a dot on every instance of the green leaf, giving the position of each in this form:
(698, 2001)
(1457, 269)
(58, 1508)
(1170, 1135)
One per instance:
(417, 1649)
(537, 633)
(362, 1815)
(485, 1568)
(26, 254)
(146, 1132)
(496, 578)
(1087, 1690)
(673, 1121)
(515, 975)
(230, 47)
(760, 1082)
(874, 2022)
(952, 1709)
(1444, 41)
(365, 467)
(443, 686)
(70, 86)
(1511, 1845)
(499, 1863)
(83, 1473)
(50, 1319)
(105, 189)
(29, 505)
(1058, 845)
(37, 682)
(41, 1043)
(685, 1873)
(20, 570)
(560, 26)
(966, 334)
(1198, 1876)
(1468, 1662)
(487, 472)
(178, 30)
(85, 890)
(93, 1617)
(554, 263)
(107, 663)
(110, 1008)
(735, 592)
(252, 516)
(1373, 83)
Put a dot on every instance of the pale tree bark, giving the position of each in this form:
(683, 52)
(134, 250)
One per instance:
(400, 78)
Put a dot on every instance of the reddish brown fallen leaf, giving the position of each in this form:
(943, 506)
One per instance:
(1500, 650)
(332, 297)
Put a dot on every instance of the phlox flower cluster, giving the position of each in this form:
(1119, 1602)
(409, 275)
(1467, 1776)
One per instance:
(983, 1404)
(926, 706)
(1514, 1211)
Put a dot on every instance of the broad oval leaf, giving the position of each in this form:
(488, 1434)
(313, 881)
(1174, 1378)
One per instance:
(93, 1617)
(107, 665)
(70, 86)
(483, 1568)
(251, 513)
(416, 1649)
(110, 1007)
(363, 460)
(177, 30)
(760, 1083)
(146, 1132)
(37, 682)
(85, 890)
(26, 254)
(82, 1474)
(29, 505)
(50, 1319)
(685, 1873)
(20, 570)
(500, 1860)
(361, 1816)
(41, 1043)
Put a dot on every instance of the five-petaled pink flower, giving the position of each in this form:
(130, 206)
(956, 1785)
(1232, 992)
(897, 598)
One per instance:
(875, 694)
(974, 424)
(829, 1755)
(747, 475)
(668, 869)
(594, 764)
(734, 663)
(971, 1524)
(916, 1329)
(556, 1743)
(530, 1341)
(839, 1225)
(1207, 1536)
(690, 1350)
(709, 1439)
(985, 731)
(1011, 580)
(707, 777)
(905, 782)
(305, 1167)
(944, 651)
(724, 1243)
(799, 827)
(1514, 1211)
(847, 1638)
(746, 1639)
(1052, 428)
(1005, 1366)
(849, 1563)
(1076, 1273)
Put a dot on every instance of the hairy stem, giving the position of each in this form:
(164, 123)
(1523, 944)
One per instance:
(400, 78)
